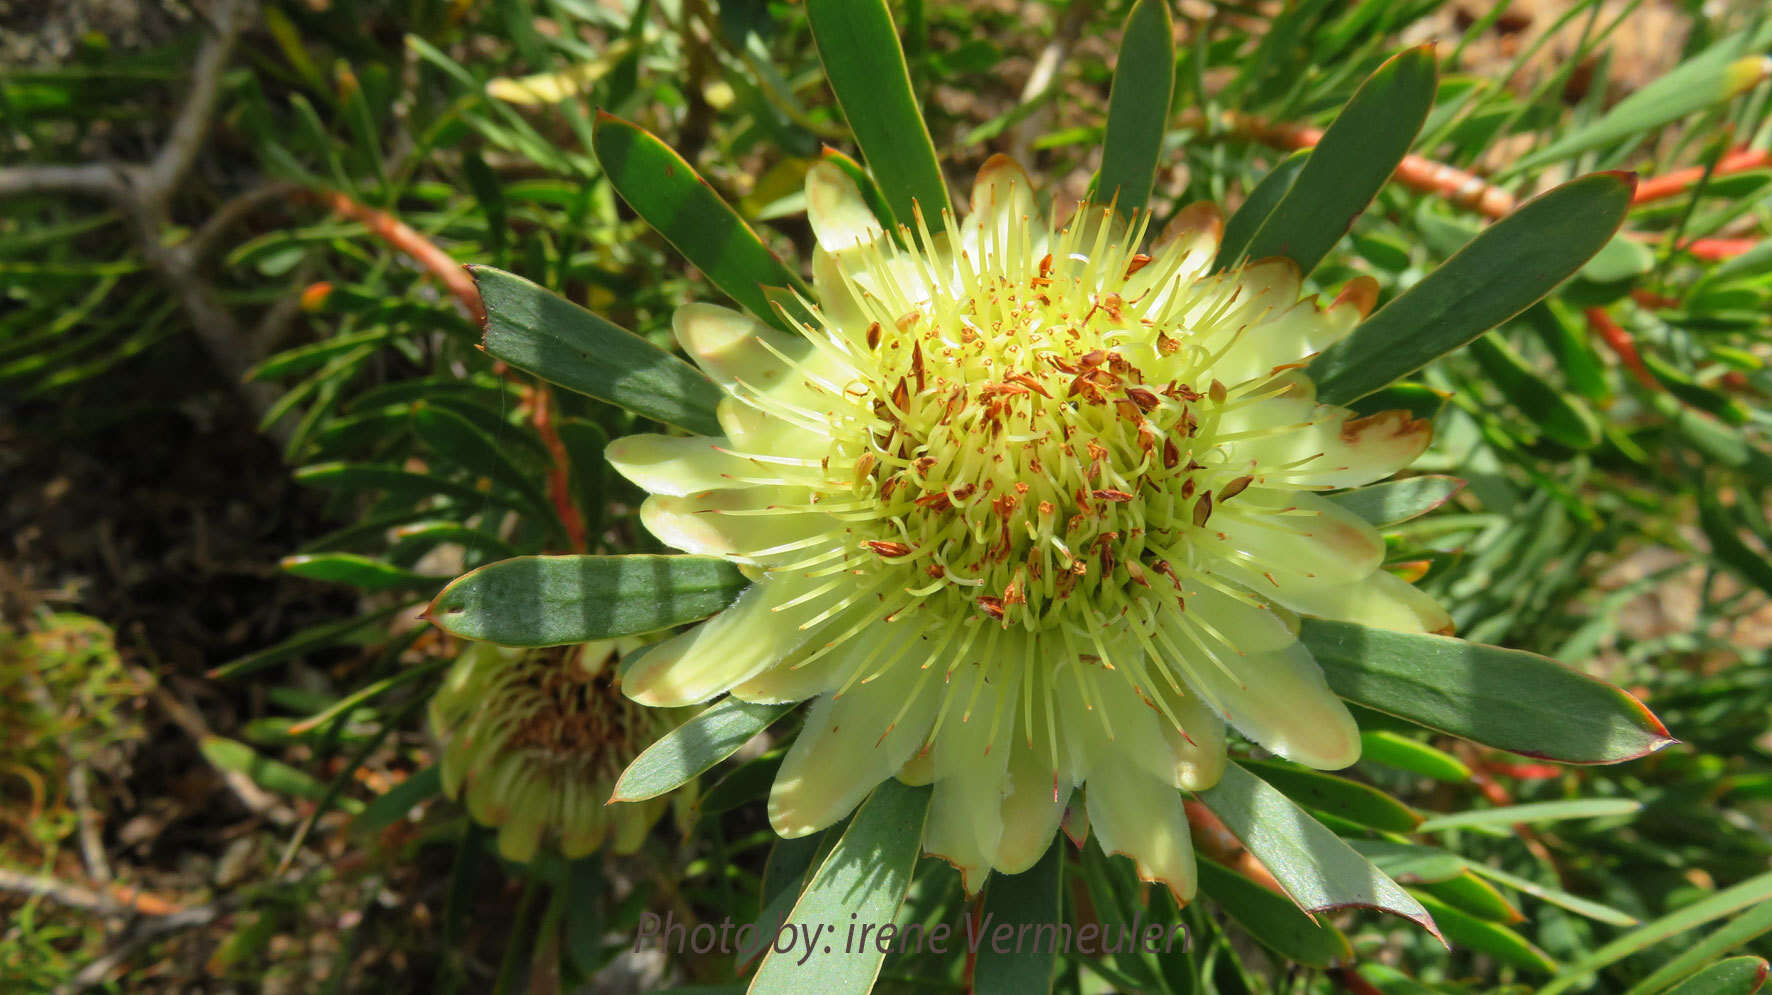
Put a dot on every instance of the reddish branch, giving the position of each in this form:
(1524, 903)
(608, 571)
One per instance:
(1680, 180)
(1463, 188)
(541, 415)
(1621, 344)
(401, 236)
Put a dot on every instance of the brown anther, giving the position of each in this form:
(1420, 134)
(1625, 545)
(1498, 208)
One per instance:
(1029, 381)
(922, 465)
(1202, 508)
(1094, 357)
(888, 548)
(1013, 594)
(864, 465)
(1046, 509)
(908, 319)
(992, 606)
(1234, 488)
(1005, 504)
(901, 395)
(1046, 265)
(1187, 488)
(1163, 567)
(936, 570)
(939, 501)
(1137, 263)
(1171, 454)
(1021, 487)
(1218, 392)
(956, 401)
(1062, 365)
(1127, 410)
(963, 492)
(1167, 346)
(1111, 303)
(874, 335)
(1146, 400)
(917, 365)
(1112, 494)
(1136, 573)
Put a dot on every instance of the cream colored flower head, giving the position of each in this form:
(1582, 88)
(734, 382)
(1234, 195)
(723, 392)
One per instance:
(1029, 511)
(534, 741)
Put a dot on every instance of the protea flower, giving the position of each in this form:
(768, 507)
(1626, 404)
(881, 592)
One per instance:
(535, 740)
(1028, 510)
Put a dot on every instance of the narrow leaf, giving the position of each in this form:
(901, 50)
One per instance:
(1503, 271)
(1273, 920)
(1745, 928)
(1494, 939)
(359, 571)
(556, 600)
(672, 197)
(1577, 808)
(693, 747)
(1354, 158)
(858, 44)
(865, 877)
(1138, 108)
(1704, 80)
(1243, 223)
(1345, 799)
(1393, 749)
(1753, 892)
(1315, 866)
(1735, 976)
(543, 333)
(1508, 699)
(1030, 898)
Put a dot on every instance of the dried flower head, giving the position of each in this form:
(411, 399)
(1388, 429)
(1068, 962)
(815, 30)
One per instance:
(535, 740)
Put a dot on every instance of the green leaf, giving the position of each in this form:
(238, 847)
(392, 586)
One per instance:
(537, 330)
(1473, 896)
(272, 775)
(1345, 799)
(1315, 866)
(863, 880)
(1735, 976)
(1273, 921)
(1560, 416)
(462, 443)
(1754, 892)
(1031, 898)
(396, 802)
(1410, 863)
(1507, 815)
(1556, 896)
(1498, 941)
(556, 600)
(1138, 108)
(1248, 217)
(1397, 501)
(359, 571)
(693, 747)
(1503, 271)
(1623, 258)
(1745, 928)
(304, 642)
(1508, 699)
(1356, 155)
(673, 198)
(864, 62)
(1699, 82)
(1393, 749)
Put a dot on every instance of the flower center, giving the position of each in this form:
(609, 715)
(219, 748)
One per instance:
(1031, 446)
